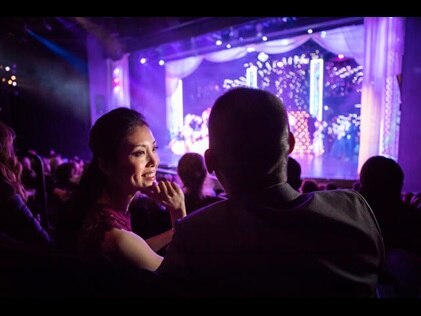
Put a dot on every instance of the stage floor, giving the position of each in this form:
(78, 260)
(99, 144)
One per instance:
(314, 167)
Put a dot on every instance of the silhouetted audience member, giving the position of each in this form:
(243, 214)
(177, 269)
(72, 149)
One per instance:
(125, 161)
(356, 186)
(416, 200)
(331, 186)
(294, 173)
(58, 196)
(65, 175)
(407, 197)
(267, 239)
(16, 219)
(192, 172)
(381, 184)
(309, 186)
(28, 174)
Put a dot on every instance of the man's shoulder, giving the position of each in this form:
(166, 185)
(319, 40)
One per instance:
(346, 206)
(206, 213)
(340, 195)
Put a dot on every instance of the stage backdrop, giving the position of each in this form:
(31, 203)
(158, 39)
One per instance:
(378, 117)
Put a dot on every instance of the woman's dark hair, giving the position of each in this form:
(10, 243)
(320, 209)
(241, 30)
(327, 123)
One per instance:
(10, 167)
(105, 140)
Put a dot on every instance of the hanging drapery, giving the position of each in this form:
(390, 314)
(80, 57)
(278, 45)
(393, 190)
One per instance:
(380, 100)
(346, 40)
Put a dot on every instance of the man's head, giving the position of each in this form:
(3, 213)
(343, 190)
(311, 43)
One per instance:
(249, 139)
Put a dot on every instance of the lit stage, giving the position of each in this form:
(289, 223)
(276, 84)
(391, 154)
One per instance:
(315, 167)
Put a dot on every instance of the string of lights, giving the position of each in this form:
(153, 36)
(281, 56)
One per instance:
(8, 81)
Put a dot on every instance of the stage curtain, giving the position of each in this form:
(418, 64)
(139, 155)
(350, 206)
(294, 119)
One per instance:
(226, 55)
(346, 40)
(183, 67)
(380, 99)
(281, 46)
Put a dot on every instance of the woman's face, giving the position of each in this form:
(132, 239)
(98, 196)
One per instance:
(137, 161)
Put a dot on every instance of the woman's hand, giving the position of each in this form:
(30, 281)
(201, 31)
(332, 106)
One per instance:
(169, 194)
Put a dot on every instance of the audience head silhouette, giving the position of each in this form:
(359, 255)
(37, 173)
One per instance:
(331, 186)
(249, 140)
(309, 186)
(192, 171)
(381, 176)
(294, 173)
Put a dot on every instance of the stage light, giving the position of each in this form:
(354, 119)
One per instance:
(116, 71)
(323, 34)
(47, 26)
(13, 77)
(284, 42)
(264, 38)
(161, 62)
(250, 49)
(341, 56)
(9, 81)
(228, 46)
(263, 57)
(14, 83)
(309, 31)
(7, 68)
(143, 60)
(218, 43)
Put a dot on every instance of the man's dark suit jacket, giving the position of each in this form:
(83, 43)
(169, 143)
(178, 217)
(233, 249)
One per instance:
(320, 244)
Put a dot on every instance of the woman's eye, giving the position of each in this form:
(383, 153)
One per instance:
(138, 153)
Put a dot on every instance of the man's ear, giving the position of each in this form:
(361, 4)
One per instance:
(291, 142)
(210, 160)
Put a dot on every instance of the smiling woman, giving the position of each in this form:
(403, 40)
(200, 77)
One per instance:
(124, 161)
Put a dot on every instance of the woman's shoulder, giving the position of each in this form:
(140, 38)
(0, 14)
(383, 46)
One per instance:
(110, 217)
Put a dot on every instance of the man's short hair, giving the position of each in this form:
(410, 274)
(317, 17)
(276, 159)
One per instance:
(248, 128)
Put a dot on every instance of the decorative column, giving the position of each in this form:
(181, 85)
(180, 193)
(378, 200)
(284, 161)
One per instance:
(380, 104)
(118, 73)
